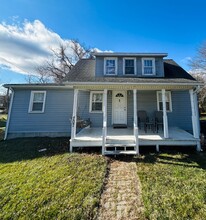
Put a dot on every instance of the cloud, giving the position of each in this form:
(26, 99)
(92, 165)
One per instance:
(24, 46)
(186, 60)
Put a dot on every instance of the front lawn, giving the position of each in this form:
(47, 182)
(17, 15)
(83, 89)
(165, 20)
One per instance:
(52, 184)
(173, 185)
(3, 119)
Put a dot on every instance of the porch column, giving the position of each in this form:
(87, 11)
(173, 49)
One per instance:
(135, 120)
(74, 116)
(194, 114)
(104, 130)
(165, 121)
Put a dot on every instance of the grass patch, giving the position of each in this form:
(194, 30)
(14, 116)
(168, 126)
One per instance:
(173, 185)
(3, 119)
(48, 185)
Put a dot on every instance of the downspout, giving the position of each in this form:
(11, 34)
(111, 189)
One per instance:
(9, 114)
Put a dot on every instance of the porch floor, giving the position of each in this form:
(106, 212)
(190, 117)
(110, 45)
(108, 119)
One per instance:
(93, 137)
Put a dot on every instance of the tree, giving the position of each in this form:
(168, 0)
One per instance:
(198, 65)
(59, 66)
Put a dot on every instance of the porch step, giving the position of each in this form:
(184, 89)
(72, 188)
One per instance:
(131, 152)
(119, 145)
(119, 141)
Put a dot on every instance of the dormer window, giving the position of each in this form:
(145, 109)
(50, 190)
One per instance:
(110, 66)
(129, 66)
(148, 66)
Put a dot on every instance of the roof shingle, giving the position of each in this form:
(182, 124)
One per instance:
(84, 71)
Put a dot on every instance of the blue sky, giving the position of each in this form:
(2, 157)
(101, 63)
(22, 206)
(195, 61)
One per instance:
(29, 28)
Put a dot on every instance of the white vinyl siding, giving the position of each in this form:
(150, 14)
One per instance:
(129, 66)
(96, 101)
(148, 66)
(37, 101)
(168, 101)
(110, 66)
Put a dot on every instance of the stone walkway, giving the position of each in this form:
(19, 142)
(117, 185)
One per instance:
(121, 198)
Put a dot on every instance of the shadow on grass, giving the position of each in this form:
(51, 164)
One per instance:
(28, 148)
(178, 156)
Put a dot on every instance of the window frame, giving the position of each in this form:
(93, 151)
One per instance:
(153, 67)
(31, 102)
(170, 101)
(90, 102)
(110, 58)
(124, 66)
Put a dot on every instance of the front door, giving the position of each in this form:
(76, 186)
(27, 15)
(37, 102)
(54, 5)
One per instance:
(119, 107)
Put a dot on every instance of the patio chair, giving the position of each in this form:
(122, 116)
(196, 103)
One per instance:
(142, 119)
(158, 120)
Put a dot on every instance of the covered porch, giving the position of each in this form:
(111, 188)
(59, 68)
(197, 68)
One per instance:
(122, 140)
(114, 140)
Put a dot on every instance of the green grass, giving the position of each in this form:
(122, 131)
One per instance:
(48, 185)
(203, 118)
(173, 185)
(3, 119)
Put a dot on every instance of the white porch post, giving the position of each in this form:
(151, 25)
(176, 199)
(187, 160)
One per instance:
(135, 120)
(194, 115)
(74, 118)
(104, 130)
(165, 121)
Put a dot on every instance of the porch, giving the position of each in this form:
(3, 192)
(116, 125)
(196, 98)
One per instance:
(110, 108)
(122, 141)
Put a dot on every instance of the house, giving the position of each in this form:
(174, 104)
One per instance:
(98, 104)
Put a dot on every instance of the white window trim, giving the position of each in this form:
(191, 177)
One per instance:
(31, 101)
(90, 102)
(153, 65)
(110, 58)
(135, 65)
(170, 100)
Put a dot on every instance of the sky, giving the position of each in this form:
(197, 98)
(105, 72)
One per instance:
(30, 29)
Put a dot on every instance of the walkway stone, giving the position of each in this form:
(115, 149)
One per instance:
(121, 198)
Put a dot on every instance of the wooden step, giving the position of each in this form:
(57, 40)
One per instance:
(131, 152)
(119, 145)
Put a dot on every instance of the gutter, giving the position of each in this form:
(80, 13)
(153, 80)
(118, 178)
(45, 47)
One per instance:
(123, 83)
(9, 113)
(38, 86)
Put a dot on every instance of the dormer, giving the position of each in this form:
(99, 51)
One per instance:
(129, 64)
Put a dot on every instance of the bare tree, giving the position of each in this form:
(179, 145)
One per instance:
(63, 60)
(41, 77)
(198, 65)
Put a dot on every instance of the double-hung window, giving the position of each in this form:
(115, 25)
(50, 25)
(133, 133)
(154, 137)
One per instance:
(167, 99)
(129, 66)
(96, 101)
(148, 66)
(37, 101)
(110, 66)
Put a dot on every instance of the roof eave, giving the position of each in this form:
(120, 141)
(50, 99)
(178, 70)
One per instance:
(36, 86)
(132, 54)
(140, 83)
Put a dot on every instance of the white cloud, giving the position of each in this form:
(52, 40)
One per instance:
(186, 60)
(24, 47)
